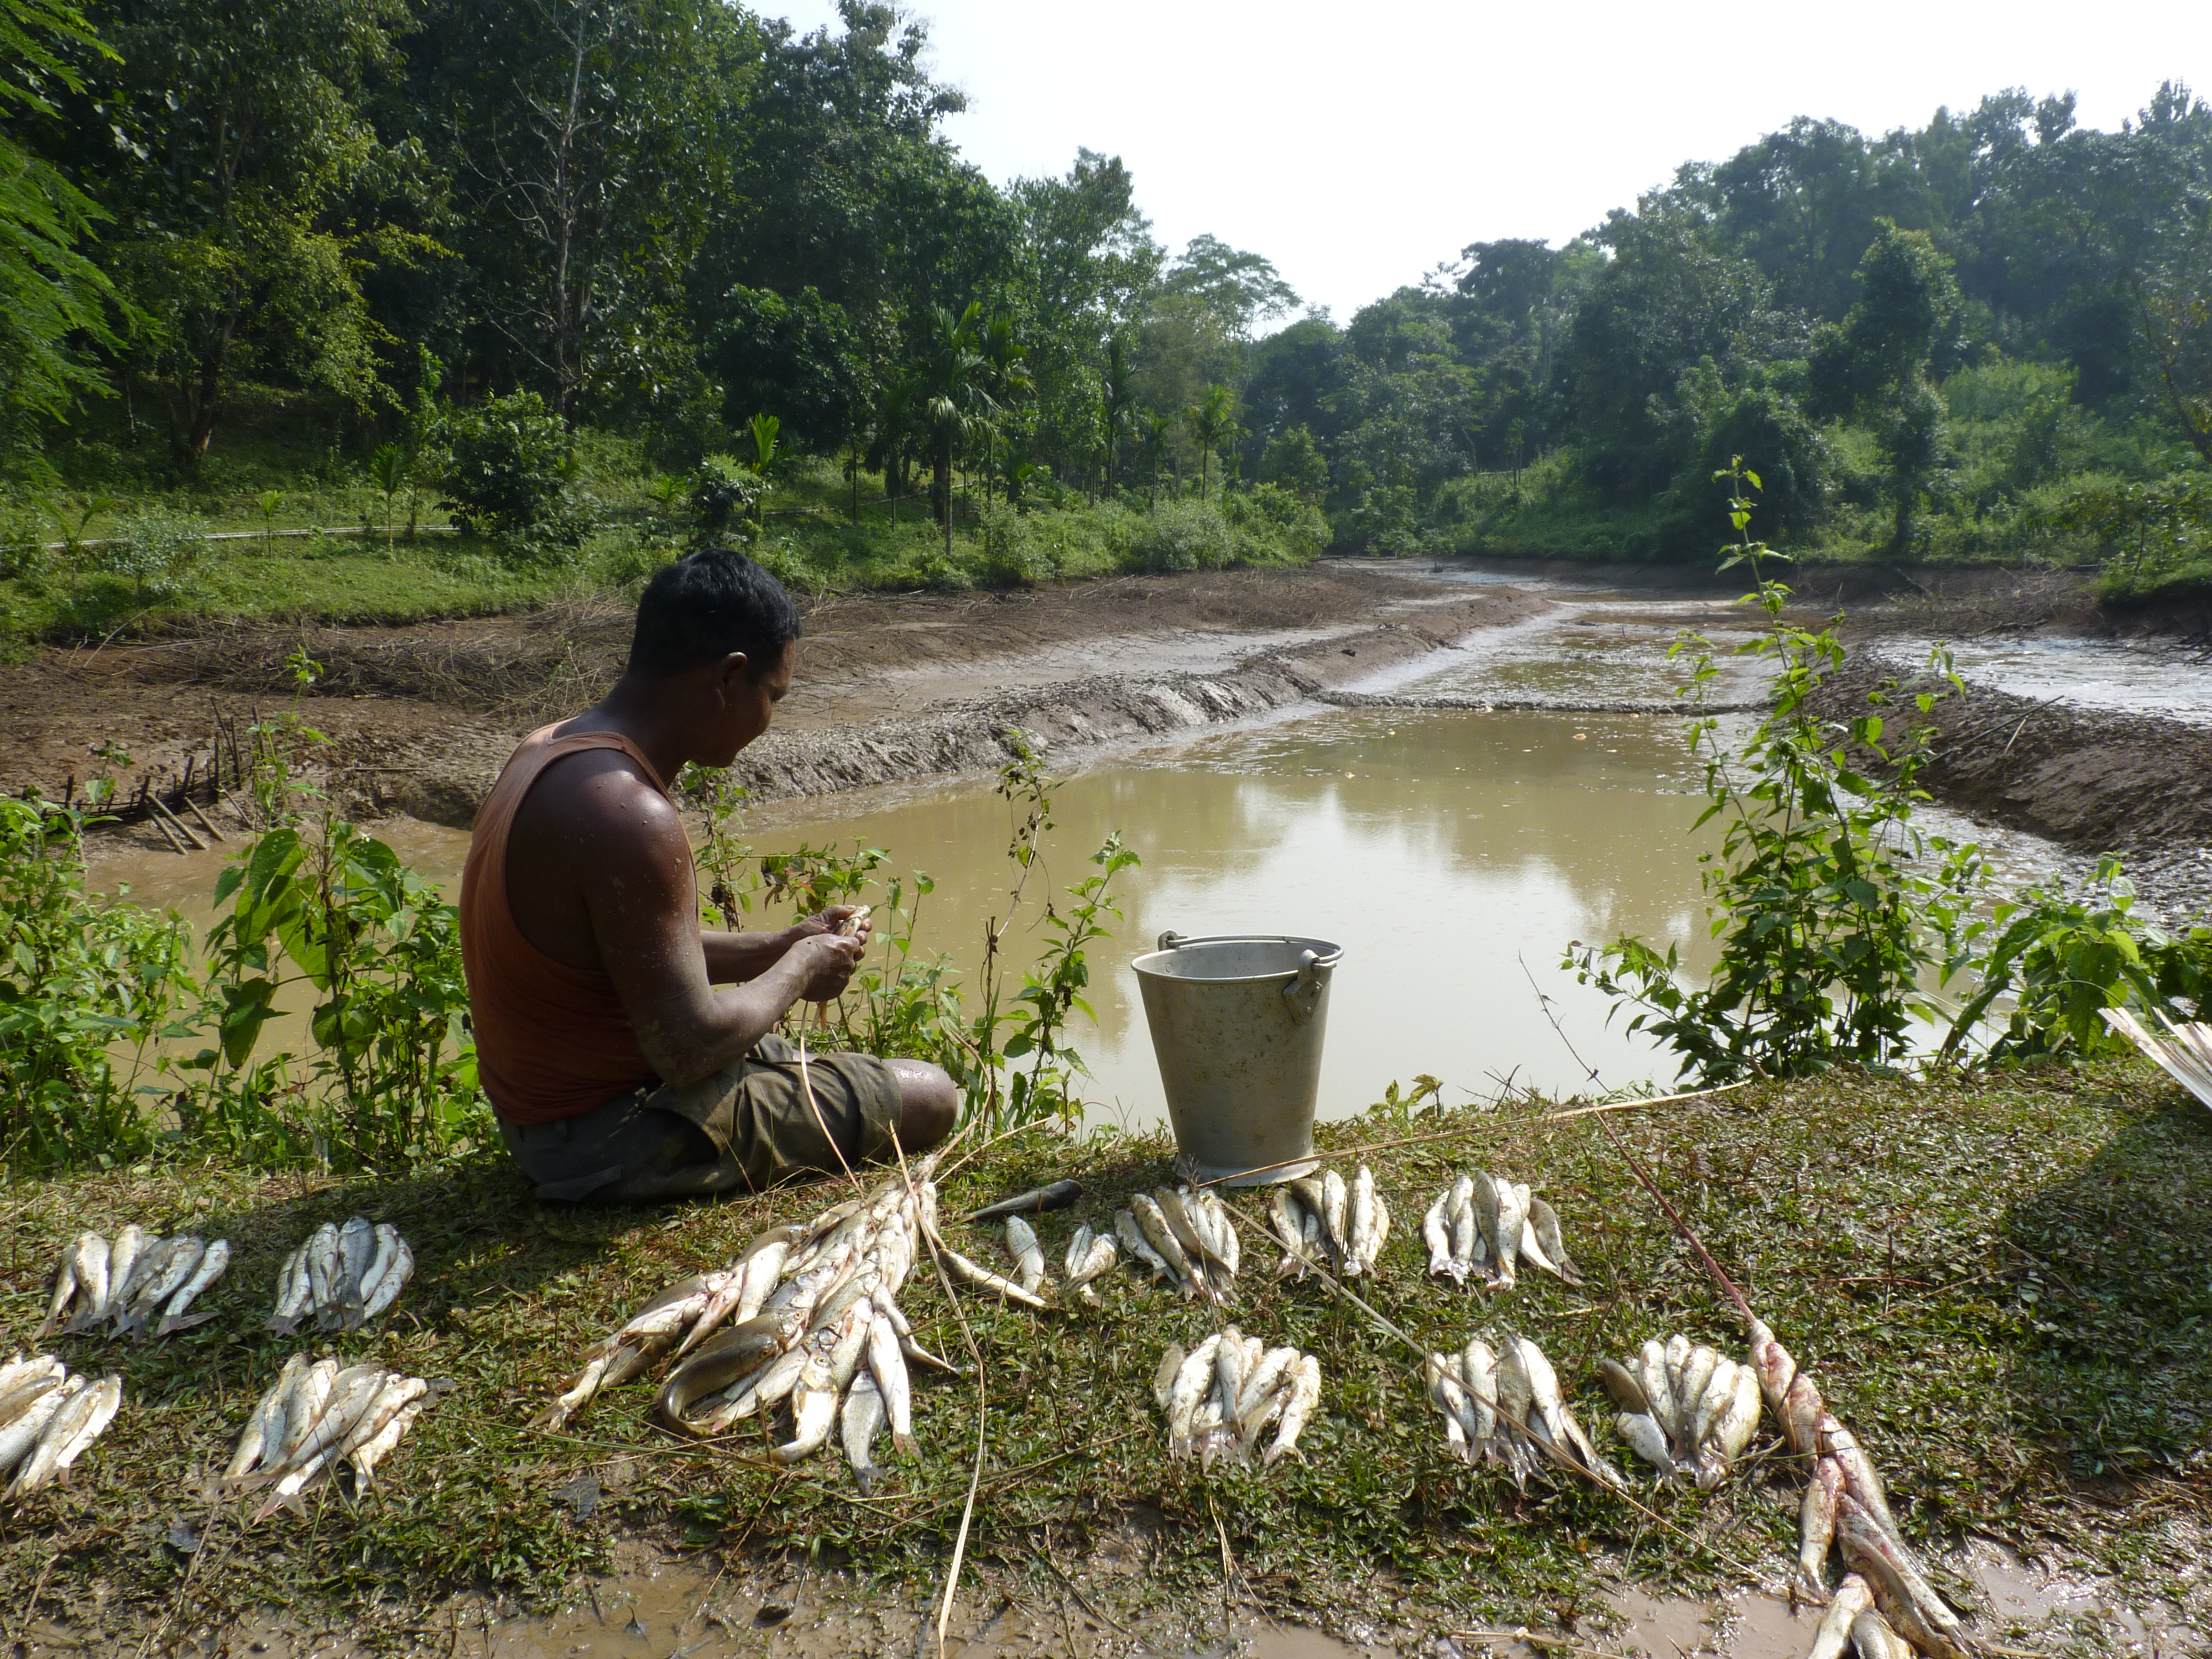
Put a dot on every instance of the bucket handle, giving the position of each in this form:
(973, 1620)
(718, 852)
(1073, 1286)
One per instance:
(1304, 990)
(1171, 940)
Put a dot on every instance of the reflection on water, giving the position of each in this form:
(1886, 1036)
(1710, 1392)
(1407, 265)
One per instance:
(1601, 651)
(2149, 677)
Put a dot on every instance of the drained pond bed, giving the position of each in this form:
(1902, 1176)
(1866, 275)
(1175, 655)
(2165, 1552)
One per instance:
(2001, 1284)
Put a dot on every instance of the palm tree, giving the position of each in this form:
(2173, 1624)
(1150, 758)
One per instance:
(892, 425)
(1006, 379)
(952, 390)
(1117, 400)
(1212, 423)
(764, 430)
(1153, 431)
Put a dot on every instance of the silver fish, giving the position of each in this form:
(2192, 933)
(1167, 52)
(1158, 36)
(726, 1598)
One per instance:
(1467, 1249)
(365, 1458)
(65, 1290)
(1816, 1529)
(294, 1297)
(859, 1423)
(356, 1250)
(210, 1268)
(385, 1289)
(1732, 1430)
(123, 1259)
(1163, 1378)
(887, 1365)
(181, 1260)
(321, 1254)
(75, 1409)
(1544, 1228)
(1873, 1637)
(1132, 1237)
(1154, 1225)
(1478, 1374)
(1907, 1601)
(107, 1399)
(813, 1411)
(1861, 1479)
(1689, 1392)
(1448, 1394)
(1644, 1436)
(978, 1277)
(29, 1430)
(92, 1284)
(1435, 1233)
(1336, 1213)
(1651, 1371)
(266, 1428)
(1620, 1384)
(1090, 1257)
(1194, 1381)
(1490, 1212)
(1028, 1256)
(25, 1382)
(1364, 1224)
(1302, 1396)
(302, 1407)
(1853, 1597)
(1230, 1247)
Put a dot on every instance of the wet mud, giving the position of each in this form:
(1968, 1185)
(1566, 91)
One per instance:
(2093, 779)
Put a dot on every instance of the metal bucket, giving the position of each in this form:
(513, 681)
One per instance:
(1238, 1023)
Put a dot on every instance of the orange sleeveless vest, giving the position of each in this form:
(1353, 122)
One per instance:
(552, 1041)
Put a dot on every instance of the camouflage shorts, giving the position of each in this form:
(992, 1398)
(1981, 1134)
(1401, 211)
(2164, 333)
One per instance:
(748, 1128)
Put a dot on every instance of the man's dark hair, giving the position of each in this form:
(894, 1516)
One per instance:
(706, 605)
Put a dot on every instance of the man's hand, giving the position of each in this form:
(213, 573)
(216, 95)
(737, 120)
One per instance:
(824, 960)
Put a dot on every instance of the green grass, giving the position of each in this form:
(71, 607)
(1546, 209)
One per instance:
(1999, 1282)
(810, 533)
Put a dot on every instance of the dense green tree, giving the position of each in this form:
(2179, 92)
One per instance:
(1877, 364)
(51, 290)
(235, 147)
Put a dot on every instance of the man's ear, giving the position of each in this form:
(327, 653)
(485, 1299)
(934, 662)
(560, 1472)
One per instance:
(732, 675)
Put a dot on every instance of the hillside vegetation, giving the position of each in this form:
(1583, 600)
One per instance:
(587, 282)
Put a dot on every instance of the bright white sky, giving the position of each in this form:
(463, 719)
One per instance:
(1358, 146)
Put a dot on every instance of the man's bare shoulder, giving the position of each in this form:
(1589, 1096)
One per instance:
(599, 800)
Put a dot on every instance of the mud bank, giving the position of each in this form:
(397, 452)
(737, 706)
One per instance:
(442, 777)
(2094, 781)
(890, 687)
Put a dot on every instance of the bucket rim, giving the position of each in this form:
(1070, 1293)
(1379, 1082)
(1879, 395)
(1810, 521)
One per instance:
(1326, 954)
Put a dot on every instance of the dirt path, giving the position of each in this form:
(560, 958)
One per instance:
(890, 686)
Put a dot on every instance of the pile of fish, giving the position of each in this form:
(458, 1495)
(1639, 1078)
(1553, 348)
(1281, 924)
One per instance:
(1487, 1224)
(1321, 1221)
(1185, 1236)
(1684, 1409)
(344, 1276)
(129, 1280)
(1221, 1396)
(314, 1419)
(1884, 1594)
(1504, 1407)
(47, 1418)
(814, 1328)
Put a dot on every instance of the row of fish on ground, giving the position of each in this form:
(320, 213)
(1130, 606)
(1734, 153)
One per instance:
(343, 1276)
(317, 1419)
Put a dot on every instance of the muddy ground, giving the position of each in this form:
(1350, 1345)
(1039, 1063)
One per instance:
(890, 686)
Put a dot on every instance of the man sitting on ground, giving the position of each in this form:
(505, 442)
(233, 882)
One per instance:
(629, 1054)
